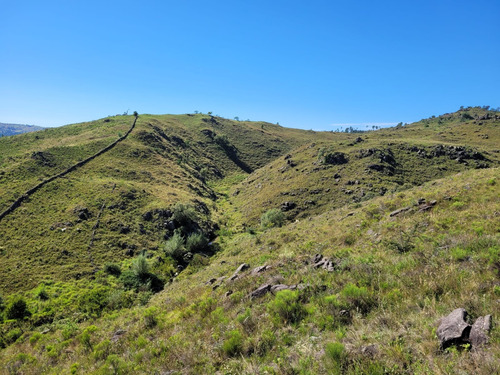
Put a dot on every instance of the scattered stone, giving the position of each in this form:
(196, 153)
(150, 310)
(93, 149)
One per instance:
(211, 281)
(453, 329)
(234, 277)
(369, 350)
(117, 335)
(287, 206)
(479, 332)
(261, 291)
(399, 211)
(260, 269)
(325, 263)
(242, 267)
(228, 293)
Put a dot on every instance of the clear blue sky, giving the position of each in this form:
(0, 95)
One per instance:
(307, 64)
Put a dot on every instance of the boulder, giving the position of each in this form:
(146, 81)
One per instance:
(261, 291)
(241, 268)
(453, 329)
(399, 211)
(479, 332)
(260, 269)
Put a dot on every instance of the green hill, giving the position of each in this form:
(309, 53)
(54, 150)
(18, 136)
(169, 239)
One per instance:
(13, 129)
(127, 261)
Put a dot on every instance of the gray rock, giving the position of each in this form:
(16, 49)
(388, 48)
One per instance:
(261, 291)
(242, 268)
(260, 269)
(454, 330)
(479, 332)
(400, 211)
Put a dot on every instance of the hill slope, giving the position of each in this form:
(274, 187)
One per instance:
(13, 129)
(128, 264)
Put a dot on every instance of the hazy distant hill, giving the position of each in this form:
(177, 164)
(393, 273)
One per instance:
(13, 129)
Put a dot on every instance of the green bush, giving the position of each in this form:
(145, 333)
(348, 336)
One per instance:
(233, 345)
(17, 308)
(112, 269)
(183, 214)
(286, 307)
(358, 297)
(272, 218)
(336, 356)
(174, 247)
(150, 319)
(94, 301)
(139, 276)
(196, 242)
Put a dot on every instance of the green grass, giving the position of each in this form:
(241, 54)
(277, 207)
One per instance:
(394, 276)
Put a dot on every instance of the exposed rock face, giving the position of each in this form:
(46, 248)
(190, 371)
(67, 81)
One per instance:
(261, 291)
(335, 158)
(260, 269)
(325, 263)
(287, 206)
(399, 211)
(479, 332)
(453, 329)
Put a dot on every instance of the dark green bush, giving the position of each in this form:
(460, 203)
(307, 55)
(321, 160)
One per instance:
(184, 215)
(196, 242)
(17, 308)
(139, 276)
(174, 247)
(112, 269)
(272, 218)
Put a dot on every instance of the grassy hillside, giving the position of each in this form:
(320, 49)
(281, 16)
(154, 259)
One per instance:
(394, 278)
(128, 264)
(165, 160)
(371, 164)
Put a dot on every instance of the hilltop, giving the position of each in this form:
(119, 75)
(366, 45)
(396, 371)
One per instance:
(197, 244)
(13, 129)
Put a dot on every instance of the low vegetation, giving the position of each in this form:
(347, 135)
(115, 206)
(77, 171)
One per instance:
(280, 271)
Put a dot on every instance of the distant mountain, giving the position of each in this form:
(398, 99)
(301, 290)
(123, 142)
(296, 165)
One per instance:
(13, 129)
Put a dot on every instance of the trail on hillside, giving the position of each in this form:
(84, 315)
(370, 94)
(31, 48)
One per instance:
(34, 189)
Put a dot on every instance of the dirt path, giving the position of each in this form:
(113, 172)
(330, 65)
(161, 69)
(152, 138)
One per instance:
(31, 191)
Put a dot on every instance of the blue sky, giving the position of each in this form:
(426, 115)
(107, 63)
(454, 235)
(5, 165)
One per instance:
(308, 64)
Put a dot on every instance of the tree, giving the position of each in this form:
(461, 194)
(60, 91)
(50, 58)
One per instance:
(237, 118)
(17, 308)
(136, 114)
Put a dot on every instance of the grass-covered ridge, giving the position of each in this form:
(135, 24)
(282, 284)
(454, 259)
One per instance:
(128, 264)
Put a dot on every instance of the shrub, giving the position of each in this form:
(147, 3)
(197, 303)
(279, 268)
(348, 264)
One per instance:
(286, 307)
(335, 353)
(139, 276)
(13, 335)
(196, 242)
(272, 218)
(183, 214)
(85, 337)
(17, 308)
(150, 320)
(112, 269)
(233, 345)
(358, 297)
(93, 301)
(140, 268)
(174, 247)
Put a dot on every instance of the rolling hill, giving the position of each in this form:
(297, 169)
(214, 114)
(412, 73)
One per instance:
(187, 244)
